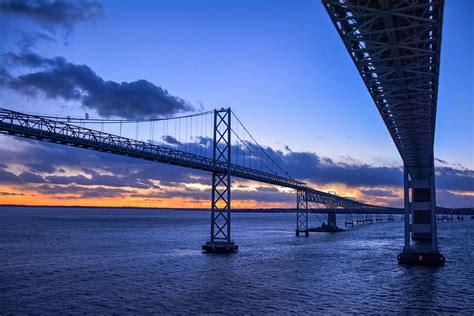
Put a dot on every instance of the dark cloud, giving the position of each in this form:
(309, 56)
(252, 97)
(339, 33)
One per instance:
(57, 78)
(27, 41)
(268, 196)
(96, 168)
(5, 77)
(10, 194)
(441, 161)
(264, 196)
(170, 140)
(9, 177)
(266, 189)
(76, 192)
(30, 177)
(455, 179)
(54, 13)
(310, 166)
(105, 180)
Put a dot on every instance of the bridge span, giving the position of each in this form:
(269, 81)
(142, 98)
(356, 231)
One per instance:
(71, 132)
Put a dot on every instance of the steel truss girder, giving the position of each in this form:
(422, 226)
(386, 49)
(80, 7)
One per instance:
(395, 46)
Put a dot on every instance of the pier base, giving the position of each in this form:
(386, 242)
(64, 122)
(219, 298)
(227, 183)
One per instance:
(326, 229)
(220, 247)
(305, 232)
(417, 258)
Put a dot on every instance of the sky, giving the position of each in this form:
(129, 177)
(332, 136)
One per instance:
(281, 67)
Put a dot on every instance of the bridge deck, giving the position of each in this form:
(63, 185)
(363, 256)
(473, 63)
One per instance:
(395, 46)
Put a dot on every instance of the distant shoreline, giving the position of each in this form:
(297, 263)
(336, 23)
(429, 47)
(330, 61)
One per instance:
(465, 211)
(255, 210)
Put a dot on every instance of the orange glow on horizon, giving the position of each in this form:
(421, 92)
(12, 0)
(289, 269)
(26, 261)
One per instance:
(150, 198)
(17, 197)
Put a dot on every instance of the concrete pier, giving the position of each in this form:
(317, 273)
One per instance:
(221, 247)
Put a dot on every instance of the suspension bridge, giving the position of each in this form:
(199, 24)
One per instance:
(395, 46)
(215, 141)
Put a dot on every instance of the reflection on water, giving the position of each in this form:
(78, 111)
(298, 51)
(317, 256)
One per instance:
(130, 261)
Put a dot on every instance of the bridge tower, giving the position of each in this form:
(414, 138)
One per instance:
(302, 213)
(332, 219)
(220, 241)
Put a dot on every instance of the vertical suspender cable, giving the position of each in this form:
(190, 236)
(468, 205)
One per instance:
(196, 134)
(191, 134)
(163, 133)
(166, 136)
(136, 130)
(200, 140)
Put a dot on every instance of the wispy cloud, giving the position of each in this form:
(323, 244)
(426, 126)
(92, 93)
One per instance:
(54, 13)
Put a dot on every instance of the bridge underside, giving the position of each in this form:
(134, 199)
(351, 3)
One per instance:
(395, 46)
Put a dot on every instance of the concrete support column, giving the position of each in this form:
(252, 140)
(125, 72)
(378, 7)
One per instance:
(332, 218)
(420, 202)
(421, 214)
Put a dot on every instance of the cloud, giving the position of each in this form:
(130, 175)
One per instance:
(55, 168)
(266, 189)
(50, 162)
(80, 192)
(170, 140)
(56, 78)
(54, 13)
(9, 177)
(322, 170)
(11, 194)
(27, 41)
(455, 179)
(30, 177)
(312, 167)
(380, 193)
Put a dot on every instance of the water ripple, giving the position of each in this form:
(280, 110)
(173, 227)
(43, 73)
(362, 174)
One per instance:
(77, 261)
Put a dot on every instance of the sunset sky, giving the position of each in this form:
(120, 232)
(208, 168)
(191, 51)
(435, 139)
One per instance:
(280, 65)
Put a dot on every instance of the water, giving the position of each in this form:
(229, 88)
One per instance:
(148, 261)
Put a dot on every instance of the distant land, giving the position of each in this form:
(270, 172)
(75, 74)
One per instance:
(256, 210)
(465, 211)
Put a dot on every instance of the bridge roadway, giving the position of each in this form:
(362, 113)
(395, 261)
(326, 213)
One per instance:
(59, 132)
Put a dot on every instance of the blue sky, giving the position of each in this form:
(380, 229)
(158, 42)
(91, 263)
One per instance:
(280, 65)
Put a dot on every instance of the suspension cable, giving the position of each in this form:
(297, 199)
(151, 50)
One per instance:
(70, 119)
(260, 147)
